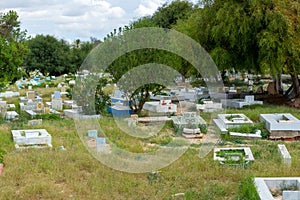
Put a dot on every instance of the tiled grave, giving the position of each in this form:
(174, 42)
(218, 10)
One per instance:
(226, 121)
(36, 138)
(281, 188)
(188, 120)
(281, 126)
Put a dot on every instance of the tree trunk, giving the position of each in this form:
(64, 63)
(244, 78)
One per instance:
(295, 81)
(278, 84)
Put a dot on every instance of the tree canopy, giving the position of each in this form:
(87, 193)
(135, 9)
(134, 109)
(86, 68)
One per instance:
(12, 47)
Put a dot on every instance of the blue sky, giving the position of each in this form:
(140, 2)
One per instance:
(78, 19)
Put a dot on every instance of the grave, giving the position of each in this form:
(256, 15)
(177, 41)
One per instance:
(57, 104)
(226, 121)
(11, 115)
(9, 94)
(37, 138)
(233, 155)
(281, 126)
(93, 133)
(188, 120)
(75, 114)
(35, 122)
(120, 110)
(285, 155)
(240, 103)
(281, 188)
(163, 106)
(209, 106)
(30, 95)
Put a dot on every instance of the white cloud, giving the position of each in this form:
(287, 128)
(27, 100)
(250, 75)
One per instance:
(72, 19)
(148, 7)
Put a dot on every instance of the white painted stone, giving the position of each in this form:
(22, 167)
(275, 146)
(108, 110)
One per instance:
(264, 184)
(238, 119)
(11, 115)
(275, 122)
(57, 104)
(164, 106)
(285, 155)
(248, 153)
(31, 138)
(35, 122)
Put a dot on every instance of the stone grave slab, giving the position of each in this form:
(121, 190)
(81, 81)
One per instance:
(36, 138)
(35, 122)
(281, 126)
(57, 104)
(225, 121)
(11, 115)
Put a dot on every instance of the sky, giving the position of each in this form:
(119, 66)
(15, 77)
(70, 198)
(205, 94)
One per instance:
(78, 19)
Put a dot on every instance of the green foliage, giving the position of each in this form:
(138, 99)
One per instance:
(247, 190)
(12, 48)
(50, 117)
(102, 100)
(2, 152)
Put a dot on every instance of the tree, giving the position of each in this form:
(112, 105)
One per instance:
(167, 15)
(256, 36)
(12, 47)
(49, 55)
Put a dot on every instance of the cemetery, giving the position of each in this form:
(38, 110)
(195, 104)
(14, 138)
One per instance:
(223, 124)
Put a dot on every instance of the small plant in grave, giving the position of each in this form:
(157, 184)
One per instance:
(231, 117)
(232, 156)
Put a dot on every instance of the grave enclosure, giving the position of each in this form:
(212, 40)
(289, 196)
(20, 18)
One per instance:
(281, 126)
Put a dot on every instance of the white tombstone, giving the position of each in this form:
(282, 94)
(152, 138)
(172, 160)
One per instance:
(31, 138)
(57, 104)
(12, 115)
(249, 99)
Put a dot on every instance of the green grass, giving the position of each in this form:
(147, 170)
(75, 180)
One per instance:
(75, 174)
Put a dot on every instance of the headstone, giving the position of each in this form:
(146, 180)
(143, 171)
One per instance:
(56, 95)
(46, 110)
(271, 88)
(39, 106)
(29, 87)
(249, 99)
(30, 94)
(101, 144)
(59, 86)
(35, 122)
(93, 133)
(57, 104)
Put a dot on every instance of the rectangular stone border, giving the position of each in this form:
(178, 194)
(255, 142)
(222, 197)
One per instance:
(263, 189)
